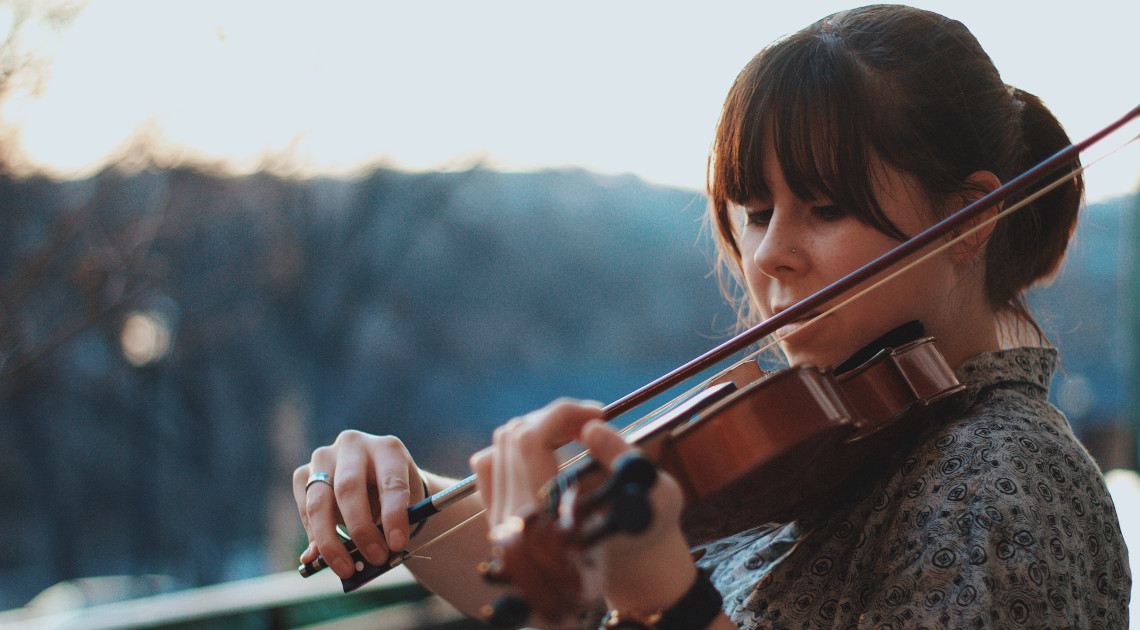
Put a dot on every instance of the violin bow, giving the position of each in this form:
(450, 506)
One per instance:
(441, 500)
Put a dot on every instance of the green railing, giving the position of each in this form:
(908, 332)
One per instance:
(280, 601)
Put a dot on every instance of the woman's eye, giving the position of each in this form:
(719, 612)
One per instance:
(828, 213)
(758, 217)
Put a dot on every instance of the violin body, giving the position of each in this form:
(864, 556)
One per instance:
(756, 448)
(784, 442)
(753, 455)
(749, 450)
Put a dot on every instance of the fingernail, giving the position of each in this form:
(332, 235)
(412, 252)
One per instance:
(397, 540)
(374, 552)
(342, 567)
(307, 554)
(591, 425)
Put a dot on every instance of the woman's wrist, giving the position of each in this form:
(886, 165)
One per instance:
(696, 609)
(652, 580)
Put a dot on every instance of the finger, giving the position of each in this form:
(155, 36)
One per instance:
(320, 503)
(480, 464)
(300, 480)
(529, 448)
(300, 477)
(309, 554)
(351, 481)
(395, 473)
(559, 422)
(606, 446)
(530, 452)
(499, 471)
(522, 456)
(515, 477)
(604, 443)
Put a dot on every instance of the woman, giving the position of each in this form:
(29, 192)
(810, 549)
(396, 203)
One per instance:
(835, 144)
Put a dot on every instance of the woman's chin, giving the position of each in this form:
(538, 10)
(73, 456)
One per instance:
(821, 355)
(804, 357)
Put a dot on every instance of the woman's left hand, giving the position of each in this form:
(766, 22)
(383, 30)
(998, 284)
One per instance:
(646, 572)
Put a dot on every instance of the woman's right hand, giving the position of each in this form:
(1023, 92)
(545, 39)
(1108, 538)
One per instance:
(372, 480)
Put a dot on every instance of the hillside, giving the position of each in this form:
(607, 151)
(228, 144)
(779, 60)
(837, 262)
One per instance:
(433, 306)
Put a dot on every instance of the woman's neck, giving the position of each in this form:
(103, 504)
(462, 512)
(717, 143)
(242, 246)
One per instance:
(967, 333)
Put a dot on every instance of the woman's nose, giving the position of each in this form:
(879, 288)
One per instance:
(778, 252)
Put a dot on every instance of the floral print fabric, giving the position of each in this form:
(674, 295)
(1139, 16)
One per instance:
(995, 518)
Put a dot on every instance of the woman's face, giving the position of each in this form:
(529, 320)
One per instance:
(792, 248)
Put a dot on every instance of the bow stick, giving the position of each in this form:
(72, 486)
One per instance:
(464, 488)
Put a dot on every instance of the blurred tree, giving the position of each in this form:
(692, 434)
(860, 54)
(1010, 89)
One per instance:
(432, 306)
(28, 25)
(428, 305)
(27, 28)
(273, 313)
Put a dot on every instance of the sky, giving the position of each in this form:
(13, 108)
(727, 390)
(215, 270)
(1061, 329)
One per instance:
(618, 87)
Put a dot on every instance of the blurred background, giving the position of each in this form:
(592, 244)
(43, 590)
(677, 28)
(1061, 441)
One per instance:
(231, 230)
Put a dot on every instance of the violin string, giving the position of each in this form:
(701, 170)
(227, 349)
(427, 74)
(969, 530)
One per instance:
(773, 341)
(921, 259)
(807, 324)
(415, 553)
(633, 426)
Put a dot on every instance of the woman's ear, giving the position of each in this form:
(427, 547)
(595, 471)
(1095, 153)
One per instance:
(977, 231)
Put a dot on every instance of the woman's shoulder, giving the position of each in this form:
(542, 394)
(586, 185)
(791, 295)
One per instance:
(1003, 423)
(1004, 492)
(1030, 365)
(1002, 443)
(995, 507)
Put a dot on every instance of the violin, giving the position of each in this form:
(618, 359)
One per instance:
(726, 443)
(723, 456)
(809, 428)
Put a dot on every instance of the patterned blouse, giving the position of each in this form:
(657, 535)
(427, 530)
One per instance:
(996, 518)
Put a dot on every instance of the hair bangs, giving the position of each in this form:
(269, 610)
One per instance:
(807, 130)
(812, 99)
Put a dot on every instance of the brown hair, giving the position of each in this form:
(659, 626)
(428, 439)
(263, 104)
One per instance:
(914, 89)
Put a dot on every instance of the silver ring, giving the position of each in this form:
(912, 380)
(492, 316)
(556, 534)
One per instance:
(793, 250)
(318, 478)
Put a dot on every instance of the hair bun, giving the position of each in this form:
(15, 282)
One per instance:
(1029, 245)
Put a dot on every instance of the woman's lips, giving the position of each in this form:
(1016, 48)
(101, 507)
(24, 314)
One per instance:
(787, 329)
